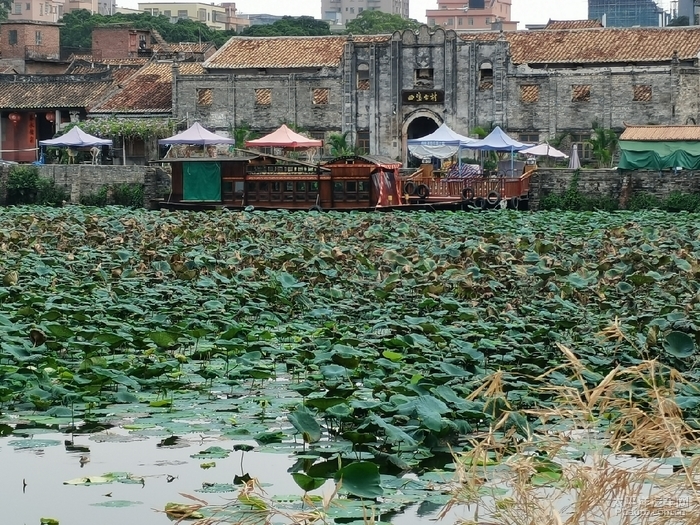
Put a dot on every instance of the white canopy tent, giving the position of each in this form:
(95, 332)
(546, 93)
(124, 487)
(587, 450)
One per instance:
(442, 143)
(76, 138)
(545, 150)
(498, 140)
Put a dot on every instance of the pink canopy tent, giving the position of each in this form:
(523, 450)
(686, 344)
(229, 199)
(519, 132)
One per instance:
(284, 138)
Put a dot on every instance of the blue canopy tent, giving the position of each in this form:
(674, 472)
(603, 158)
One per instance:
(442, 143)
(498, 140)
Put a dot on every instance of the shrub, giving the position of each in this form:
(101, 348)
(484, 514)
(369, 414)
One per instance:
(23, 185)
(95, 199)
(49, 194)
(678, 201)
(128, 195)
(573, 200)
(644, 201)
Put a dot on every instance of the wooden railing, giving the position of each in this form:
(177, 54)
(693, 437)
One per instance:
(471, 187)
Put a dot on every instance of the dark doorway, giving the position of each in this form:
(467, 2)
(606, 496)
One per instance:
(419, 127)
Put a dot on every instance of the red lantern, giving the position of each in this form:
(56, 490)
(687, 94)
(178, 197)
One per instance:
(50, 117)
(15, 118)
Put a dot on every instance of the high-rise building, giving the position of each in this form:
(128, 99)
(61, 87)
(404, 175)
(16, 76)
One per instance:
(471, 14)
(627, 13)
(687, 8)
(342, 11)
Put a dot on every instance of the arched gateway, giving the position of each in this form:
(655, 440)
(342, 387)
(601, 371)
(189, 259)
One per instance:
(418, 124)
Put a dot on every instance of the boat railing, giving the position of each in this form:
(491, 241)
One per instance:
(469, 186)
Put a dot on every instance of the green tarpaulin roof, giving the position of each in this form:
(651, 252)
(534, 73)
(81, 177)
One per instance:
(659, 155)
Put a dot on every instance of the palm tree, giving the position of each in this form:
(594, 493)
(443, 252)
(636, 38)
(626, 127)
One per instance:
(339, 145)
(603, 144)
(241, 134)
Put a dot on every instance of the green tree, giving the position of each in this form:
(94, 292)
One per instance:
(77, 28)
(679, 21)
(241, 134)
(290, 26)
(379, 23)
(5, 6)
(603, 144)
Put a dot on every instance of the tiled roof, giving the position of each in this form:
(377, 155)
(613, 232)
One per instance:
(134, 62)
(600, 45)
(654, 133)
(147, 91)
(184, 47)
(59, 95)
(283, 52)
(573, 24)
(119, 74)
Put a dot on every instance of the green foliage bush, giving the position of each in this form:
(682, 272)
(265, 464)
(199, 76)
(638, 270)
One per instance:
(25, 186)
(51, 194)
(95, 199)
(678, 201)
(130, 195)
(573, 200)
(644, 201)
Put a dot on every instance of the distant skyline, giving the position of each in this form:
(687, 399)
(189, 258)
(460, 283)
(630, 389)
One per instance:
(524, 11)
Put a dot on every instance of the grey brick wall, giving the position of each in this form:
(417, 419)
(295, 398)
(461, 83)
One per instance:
(79, 180)
(619, 185)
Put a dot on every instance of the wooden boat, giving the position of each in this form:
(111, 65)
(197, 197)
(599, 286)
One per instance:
(355, 182)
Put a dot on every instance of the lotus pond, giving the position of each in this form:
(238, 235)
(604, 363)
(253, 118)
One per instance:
(234, 367)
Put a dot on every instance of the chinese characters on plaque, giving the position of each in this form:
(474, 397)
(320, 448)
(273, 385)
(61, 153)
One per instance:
(433, 96)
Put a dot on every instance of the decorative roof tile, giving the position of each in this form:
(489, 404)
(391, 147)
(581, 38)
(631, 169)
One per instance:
(658, 133)
(147, 91)
(284, 52)
(573, 24)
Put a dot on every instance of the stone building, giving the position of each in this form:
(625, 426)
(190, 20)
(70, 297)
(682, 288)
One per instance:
(385, 89)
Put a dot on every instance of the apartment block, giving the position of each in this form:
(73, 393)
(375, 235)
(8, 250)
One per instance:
(464, 15)
(52, 10)
(224, 16)
(342, 11)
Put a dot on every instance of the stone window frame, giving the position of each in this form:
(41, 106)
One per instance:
(362, 141)
(581, 93)
(585, 150)
(12, 37)
(363, 81)
(205, 96)
(321, 96)
(17, 8)
(529, 137)
(424, 74)
(642, 93)
(263, 97)
(529, 93)
(486, 75)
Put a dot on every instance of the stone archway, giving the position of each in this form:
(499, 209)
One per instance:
(418, 124)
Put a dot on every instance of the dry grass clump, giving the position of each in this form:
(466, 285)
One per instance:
(626, 426)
